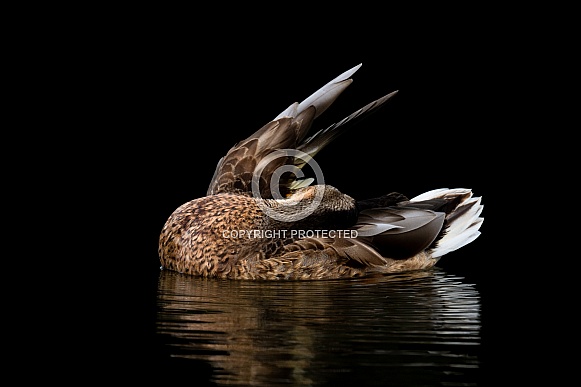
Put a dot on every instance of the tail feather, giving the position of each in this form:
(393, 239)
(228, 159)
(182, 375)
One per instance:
(462, 225)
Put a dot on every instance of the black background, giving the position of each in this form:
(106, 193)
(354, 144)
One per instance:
(184, 111)
(158, 99)
(182, 106)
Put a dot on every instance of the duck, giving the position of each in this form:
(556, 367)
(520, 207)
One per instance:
(264, 218)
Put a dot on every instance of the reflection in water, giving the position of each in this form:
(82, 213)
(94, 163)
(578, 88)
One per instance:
(420, 328)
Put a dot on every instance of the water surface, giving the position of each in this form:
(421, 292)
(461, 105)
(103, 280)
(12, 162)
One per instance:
(412, 329)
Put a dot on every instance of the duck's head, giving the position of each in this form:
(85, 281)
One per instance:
(319, 206)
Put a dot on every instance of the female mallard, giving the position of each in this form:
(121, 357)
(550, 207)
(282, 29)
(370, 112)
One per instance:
(262, 219)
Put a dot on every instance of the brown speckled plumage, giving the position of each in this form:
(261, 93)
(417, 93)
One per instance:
(229, 234)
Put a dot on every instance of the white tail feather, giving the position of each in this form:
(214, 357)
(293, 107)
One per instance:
(461, 229)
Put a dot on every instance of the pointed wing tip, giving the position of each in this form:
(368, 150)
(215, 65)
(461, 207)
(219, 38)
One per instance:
(388, 96)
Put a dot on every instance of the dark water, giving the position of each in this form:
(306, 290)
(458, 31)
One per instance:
(417, 329)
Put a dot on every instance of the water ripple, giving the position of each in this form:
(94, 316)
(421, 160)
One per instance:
(415, 329)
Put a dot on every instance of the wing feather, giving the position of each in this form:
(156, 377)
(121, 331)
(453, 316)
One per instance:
(288, 130)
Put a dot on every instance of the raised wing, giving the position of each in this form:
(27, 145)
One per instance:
(262, 154)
